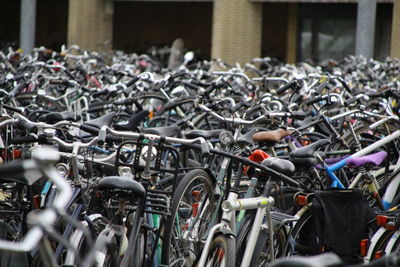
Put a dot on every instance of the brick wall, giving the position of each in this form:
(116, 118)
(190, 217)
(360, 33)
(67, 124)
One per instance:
(395, 46)
(90, 23)
(236, 30)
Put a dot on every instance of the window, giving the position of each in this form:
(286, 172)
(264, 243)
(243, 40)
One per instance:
(328, 31)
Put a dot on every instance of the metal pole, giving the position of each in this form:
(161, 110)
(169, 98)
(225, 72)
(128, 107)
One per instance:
(365, 35)
(28, 25)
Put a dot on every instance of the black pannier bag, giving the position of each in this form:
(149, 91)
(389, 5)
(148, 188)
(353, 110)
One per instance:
(340, 221)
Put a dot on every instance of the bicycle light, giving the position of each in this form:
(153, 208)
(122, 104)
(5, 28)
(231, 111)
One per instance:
(226, 138)
(62, 169)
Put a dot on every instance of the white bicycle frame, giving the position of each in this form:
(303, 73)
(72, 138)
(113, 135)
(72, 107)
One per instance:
(228, 221)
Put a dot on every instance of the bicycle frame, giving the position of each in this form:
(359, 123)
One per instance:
(228, 221)
(331, 169)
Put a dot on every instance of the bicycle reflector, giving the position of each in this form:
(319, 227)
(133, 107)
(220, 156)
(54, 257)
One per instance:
(384, 221)
(381, 220)
(195, 209)
(256, 156)
(364, 247)
(301, 200)
(379, 254)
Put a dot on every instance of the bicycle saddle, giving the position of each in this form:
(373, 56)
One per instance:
(169, 131)
(372, 159)
(304, 162)
(101, 121)
(248, 137)
(308, 151)
(203, 133)
(270, 136)
(122, 183)
(133, 122)
(323, 260)
(280, 165)
(54, 117)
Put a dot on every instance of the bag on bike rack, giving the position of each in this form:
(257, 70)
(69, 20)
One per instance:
(340, 219)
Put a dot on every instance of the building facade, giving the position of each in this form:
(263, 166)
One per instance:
(234, 30)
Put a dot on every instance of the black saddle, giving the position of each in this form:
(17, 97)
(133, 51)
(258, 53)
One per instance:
(133, 122)
(121, 183)
(206, 134)
(168, 131)
(308, 151)
(101, 121)
(54, 117)
(280, 165)
(304, 162)
(323, 260)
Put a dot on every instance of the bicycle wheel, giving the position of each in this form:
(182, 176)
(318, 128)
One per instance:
(79, 241)
(378, 245)
(301, 236)
(192, 204)
(222, 252)
(261, 254)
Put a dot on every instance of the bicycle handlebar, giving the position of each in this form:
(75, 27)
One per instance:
(103, 135)
(42, 159)
(263, 118)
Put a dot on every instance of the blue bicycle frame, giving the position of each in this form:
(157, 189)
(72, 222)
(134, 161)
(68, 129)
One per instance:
(336, 183)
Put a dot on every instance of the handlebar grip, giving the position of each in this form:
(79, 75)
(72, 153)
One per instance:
(159, 85)
(58, 81)
(205, 150)
(26, 125)
(14, 109)
(351, 100)
(240, 105)
(101, 93)
(212, 87)
(321, 87)
(69, 74)
(282, 89)
(179, 74)
(346, 87)
(12, 169)
(116, 139)
(396, 94)
(97, 109)
(314, 100)
(131, 82)
(19, 140)
(89, 129)
(299, 115)
(129, 101)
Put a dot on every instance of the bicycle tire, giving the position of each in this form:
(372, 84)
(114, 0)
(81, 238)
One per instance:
(77, 239)
(379, 245)
(261, 256)
(222, 252)
(299, 232)
(195, 179)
